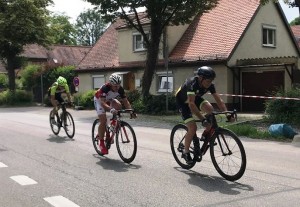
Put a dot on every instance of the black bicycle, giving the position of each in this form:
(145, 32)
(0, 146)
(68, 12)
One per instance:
(122, 132)
(63, 119)
(226, 149)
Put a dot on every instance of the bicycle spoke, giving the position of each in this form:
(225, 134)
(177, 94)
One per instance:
(228, 156)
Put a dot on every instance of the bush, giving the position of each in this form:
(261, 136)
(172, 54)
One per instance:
(18, 97)
(284, 111)
(30, 76)
(3, 81)
(85, 99)
(153, 104)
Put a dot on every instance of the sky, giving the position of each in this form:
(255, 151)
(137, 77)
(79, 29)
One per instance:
(73, 8)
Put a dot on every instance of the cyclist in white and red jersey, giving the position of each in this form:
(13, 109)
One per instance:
(107, 98)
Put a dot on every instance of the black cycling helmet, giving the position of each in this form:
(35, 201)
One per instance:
(206, 72)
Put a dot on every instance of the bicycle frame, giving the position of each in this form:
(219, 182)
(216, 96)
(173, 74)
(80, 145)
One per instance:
(214, 128)
(117, 126)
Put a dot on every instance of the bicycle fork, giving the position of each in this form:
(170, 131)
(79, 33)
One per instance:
(125, 133)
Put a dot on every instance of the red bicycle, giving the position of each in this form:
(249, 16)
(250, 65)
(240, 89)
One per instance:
(119, 131)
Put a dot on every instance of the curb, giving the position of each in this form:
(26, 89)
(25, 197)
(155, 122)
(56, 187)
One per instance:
(296, 140)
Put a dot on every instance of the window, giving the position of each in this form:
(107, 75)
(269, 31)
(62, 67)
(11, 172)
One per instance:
(98, 81)
(138, 42)
(269, 36)
(165, 82)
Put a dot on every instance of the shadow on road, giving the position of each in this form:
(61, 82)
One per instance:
(115, 165)
(213, 183)
(59, 139)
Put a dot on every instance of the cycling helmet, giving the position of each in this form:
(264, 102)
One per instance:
(61, 81)
(115, 79)
(206, 72)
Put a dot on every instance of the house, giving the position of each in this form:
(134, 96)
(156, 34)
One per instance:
(57, 54)
(251, 48)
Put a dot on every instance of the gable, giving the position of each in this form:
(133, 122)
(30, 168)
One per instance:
(214, 34)
(251, 46)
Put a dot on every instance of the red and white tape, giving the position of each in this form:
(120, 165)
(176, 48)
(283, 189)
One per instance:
(264, 97)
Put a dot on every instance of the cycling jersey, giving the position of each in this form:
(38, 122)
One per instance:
(106, 92)
(192, 87)
(55, 89)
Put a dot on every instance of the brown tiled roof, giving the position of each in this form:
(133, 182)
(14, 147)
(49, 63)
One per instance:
(296, 30)
(35, 51)
(104, 54)
(214, 34)
(142, 18)
(62, 54)
(68, 55)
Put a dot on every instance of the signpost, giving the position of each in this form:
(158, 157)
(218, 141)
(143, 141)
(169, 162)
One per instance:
(76, 84)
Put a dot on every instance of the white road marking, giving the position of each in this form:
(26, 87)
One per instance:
(60, 201)
(23, 180)
(2, 165)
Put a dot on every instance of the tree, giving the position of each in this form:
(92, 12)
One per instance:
(21, 22)
(62, 32)
(89, 27)
(296, 21)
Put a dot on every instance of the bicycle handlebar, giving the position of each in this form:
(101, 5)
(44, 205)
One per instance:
(121, 111)
(232, 113)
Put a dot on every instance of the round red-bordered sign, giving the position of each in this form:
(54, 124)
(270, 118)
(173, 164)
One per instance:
(76, 81)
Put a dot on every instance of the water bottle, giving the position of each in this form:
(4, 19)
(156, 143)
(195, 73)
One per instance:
(112, 126)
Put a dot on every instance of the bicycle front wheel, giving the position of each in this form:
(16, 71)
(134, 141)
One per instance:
(55, 126)
(126, 142)
(177, 140)
(95, 139)
(228, 154)
(69, 125)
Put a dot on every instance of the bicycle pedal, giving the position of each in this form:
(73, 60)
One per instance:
(199, 158)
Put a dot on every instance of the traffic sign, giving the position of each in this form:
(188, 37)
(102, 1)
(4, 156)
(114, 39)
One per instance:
(76, 81)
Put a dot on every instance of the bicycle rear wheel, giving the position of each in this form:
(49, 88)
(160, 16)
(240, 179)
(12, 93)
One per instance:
(177, 145)
(228, 154)
(126, 142)
(95, 139)
(55, 127)
(68, 124)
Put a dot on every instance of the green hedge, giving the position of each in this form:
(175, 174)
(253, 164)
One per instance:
(18, 97)
(284, 111)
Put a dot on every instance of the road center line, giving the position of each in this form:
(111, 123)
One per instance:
(2, 165)
(23, 180)
(60, 201)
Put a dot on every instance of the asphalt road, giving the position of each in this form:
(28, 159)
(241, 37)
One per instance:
(40, 169)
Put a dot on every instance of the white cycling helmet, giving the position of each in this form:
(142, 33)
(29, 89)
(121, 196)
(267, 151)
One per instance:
(115, 79)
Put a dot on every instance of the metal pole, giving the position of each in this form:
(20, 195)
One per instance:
(42, 89)
(165, 48)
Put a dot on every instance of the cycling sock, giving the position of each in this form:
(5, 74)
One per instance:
(184, 151)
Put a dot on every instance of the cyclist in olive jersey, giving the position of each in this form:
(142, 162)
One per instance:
(55, 91)
(190, 101)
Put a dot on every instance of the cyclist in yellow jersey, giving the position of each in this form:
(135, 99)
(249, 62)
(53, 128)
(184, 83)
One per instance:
(57, 88)
(190, 101)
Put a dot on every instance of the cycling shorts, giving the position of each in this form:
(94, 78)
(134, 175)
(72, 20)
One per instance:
(98, 107)
(185, 110)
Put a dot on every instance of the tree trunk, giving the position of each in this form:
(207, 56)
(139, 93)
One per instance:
(152, 56)
(11, 74)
